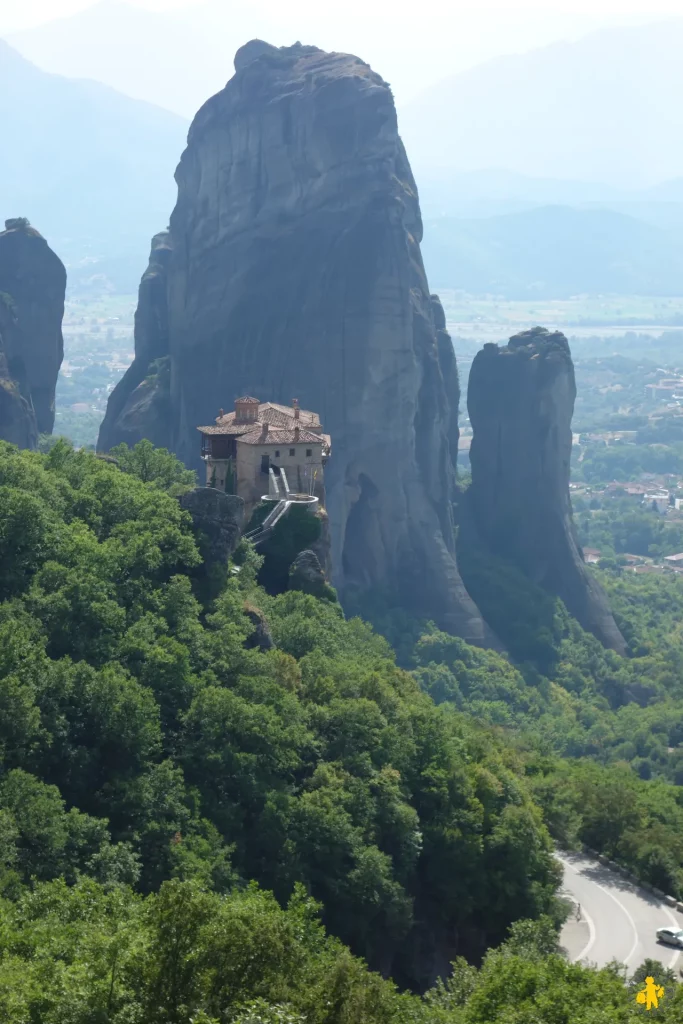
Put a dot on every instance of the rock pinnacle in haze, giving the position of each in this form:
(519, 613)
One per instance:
(520, 401)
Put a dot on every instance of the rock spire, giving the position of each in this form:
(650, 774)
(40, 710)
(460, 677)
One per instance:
(294, 268)
(520, 401)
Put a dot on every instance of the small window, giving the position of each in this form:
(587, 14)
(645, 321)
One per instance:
(277, 454)
(309, 452)
(291, 451)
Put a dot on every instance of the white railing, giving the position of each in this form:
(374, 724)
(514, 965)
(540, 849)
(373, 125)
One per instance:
(269, 523)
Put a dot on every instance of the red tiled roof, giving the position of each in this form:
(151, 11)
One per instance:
(284, 437)
(276, 416)
(279, 416)
(229, 428)
(282, 415)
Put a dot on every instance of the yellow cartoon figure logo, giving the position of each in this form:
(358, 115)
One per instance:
(650, 995)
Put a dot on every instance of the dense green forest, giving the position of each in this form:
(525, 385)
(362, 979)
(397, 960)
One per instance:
(193, 829)
(616, 527)
(600, 736)
(627, 462)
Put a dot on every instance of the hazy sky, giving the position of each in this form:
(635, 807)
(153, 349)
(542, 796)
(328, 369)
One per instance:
(463, 13)
(411, 45)
(33, 12)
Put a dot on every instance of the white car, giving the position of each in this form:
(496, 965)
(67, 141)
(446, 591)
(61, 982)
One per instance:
(671, 936)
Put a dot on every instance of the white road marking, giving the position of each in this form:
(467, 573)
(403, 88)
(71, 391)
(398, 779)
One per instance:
(591, 936)
(631, 921)
(589, 920)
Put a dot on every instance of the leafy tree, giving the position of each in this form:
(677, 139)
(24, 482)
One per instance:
(154, 466)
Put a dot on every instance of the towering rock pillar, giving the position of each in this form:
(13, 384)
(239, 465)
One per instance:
(32, 288)
(520, 401)
(295, 270)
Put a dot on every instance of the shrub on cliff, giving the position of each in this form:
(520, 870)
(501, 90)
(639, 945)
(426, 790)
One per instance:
(21, 224)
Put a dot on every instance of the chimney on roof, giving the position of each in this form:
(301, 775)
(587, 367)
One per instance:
(295, 404)
(264, 433)
(296, 435)
(246, 409)
(220, 414)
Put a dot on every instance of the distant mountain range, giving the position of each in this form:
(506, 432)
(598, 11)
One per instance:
(604, 108)
(179, 57)
(92, 169)
(159, 58)
(554, 252)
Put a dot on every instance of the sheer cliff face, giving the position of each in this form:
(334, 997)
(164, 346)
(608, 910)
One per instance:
(295, 271)
(520, 401)
(139, 405)
(17, 417)
(32, 287)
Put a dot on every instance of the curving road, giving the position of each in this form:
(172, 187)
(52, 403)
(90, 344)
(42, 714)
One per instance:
(618, 919)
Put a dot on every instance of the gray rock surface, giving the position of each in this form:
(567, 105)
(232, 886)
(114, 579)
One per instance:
(294, 270)
(17, 416)
(261, 637)
(139, 405)
(32, 288)
(218, 517)
(322, 547)
(306, 574)
(520, 401)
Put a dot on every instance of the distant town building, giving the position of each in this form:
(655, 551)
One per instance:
(674, 559)
(591, 555)
(241, 448)
(636, 489)
(630, 489)
(658, 500)
(666, 385)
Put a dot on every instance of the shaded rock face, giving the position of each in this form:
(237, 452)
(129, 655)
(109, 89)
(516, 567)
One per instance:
(520, 401)
(17, 416)
(139, 405)
(261, 637)
(294, 269)
(322, 547)
(32, 288)
(218, 518)
(306, 574)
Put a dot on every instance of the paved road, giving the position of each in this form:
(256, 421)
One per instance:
(618, 919)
